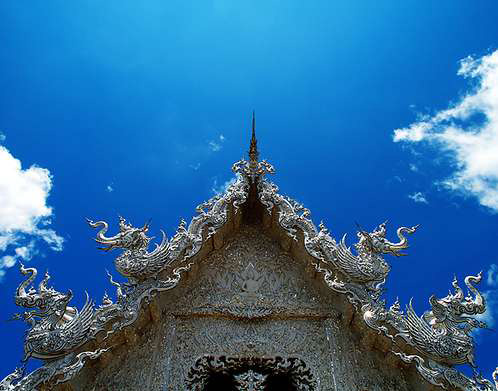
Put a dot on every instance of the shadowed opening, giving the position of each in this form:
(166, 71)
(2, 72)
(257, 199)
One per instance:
(279, 382)
(218, 381)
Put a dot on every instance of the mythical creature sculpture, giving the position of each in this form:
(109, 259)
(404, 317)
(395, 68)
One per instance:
(56, 328)
(443, 333)
(135, 262)
(368, 267)
(376, 242)
(138, 264)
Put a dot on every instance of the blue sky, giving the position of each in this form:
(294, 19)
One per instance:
(365, 108)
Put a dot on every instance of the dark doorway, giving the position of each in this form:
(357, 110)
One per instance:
(222, 373)
(279, 382)
(218, 381)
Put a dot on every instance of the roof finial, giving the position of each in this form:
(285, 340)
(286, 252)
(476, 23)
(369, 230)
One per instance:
(253, 148)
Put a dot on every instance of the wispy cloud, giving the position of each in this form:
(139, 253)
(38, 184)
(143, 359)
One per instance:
(418, 197)
(413, 167)
(3, 137)
(492, 278)
(216, 145)
(468, 131)
(24, 213)
(489, 316)
(109, 188)
(221, 188)
(491, 296)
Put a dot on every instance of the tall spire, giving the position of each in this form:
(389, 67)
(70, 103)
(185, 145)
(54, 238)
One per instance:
(253, 168)
(253, 148)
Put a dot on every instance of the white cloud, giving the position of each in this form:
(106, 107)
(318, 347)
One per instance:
(413, 167)
(109, 188)
(220, 189)
(418, 197)
(2, 137)
(468, 131)
(492, 278)
(24, 212)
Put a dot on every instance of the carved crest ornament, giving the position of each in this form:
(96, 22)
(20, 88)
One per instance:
(434, 342)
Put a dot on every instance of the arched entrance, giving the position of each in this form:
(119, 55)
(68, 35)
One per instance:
(222, 373)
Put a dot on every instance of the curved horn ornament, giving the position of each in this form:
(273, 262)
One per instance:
(31, 298)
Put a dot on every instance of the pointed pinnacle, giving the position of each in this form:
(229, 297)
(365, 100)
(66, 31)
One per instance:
(253, 148)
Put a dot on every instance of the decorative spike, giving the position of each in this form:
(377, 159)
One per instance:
(253, 148)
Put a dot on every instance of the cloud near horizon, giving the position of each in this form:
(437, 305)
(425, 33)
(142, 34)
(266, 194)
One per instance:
(24, 213)
(468, 131)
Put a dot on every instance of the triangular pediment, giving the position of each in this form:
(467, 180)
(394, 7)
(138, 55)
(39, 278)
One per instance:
(253, 262)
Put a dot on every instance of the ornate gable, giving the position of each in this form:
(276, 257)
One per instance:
(250, 287)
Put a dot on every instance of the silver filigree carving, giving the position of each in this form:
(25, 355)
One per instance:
(136, 261)
(138, 264)
(250, 373)
(61, 369)
(250, 380)
(368, 266)
(56, 328)
(441, 336)
(7, 384)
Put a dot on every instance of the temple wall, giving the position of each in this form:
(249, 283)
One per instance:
(248, 300)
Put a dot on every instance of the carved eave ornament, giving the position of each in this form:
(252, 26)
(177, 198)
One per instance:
(67, 338)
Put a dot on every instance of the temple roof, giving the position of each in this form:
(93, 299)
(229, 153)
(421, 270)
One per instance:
(358, 275)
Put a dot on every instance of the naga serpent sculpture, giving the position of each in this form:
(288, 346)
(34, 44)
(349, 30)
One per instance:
(135, 262)
(368, 266)
(444, 333)
(56, 328)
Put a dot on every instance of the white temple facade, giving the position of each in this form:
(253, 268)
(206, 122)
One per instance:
(250, 295)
